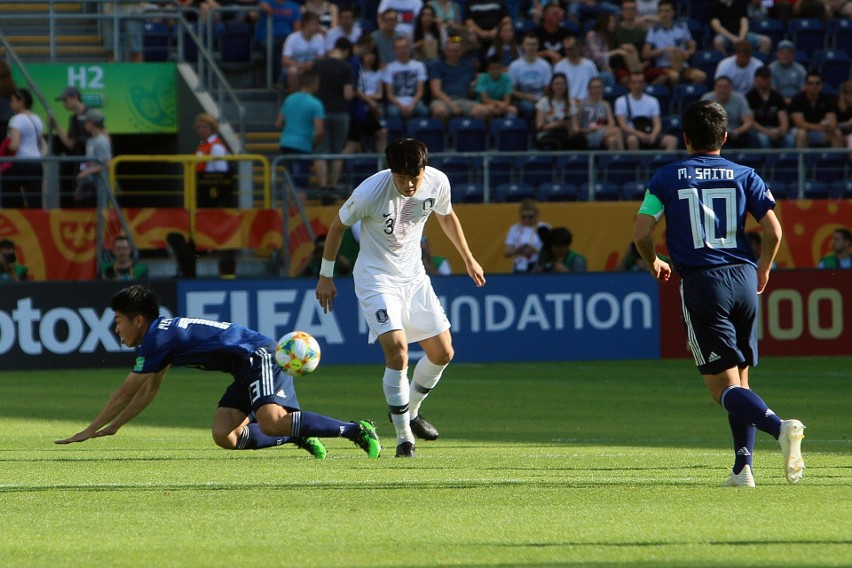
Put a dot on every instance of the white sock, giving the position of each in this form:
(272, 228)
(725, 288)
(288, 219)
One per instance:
(426, 376)
(395, 384)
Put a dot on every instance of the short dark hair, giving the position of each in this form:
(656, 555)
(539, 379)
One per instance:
(705, 124)
(25, 97)
(845, 233)
(407, 157)
(343, 44)
(6, 244)
(136, 300)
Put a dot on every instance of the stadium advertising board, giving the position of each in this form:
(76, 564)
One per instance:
(802, 312)
(60, 325)
(512, 318)
(135, 99)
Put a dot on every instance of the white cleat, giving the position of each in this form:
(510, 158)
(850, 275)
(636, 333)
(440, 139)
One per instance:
(790, 440)
(742, 479)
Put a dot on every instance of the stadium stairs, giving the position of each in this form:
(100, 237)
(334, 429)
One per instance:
(76, 40)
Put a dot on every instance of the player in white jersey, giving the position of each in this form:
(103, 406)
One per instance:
(393, 289)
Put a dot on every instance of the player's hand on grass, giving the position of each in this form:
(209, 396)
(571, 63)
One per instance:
(78, 437)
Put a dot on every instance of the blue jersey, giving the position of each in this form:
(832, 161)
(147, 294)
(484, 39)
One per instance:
(192, 342)
(705, 199)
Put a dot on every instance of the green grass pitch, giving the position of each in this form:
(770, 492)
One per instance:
(593, 463)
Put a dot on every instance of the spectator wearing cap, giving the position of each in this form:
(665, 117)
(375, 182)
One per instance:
(771, 122)
(788, 76)
(72, 141)
(93, 173)
(21, 183)
(739, 67)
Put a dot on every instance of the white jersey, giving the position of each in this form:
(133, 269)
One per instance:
(392, 226)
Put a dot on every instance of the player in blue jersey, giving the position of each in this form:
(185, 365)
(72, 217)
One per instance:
(260, 388)
(705, 199)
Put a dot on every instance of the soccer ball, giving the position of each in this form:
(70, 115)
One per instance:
(298, 353)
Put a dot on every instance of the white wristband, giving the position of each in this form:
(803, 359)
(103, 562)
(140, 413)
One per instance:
(327, 268)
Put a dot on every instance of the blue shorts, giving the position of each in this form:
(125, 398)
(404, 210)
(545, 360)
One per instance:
(260, 381)
(720, 311)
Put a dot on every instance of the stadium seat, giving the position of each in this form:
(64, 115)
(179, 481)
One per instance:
(557, 192)
(833, 65)
(707, 60)
(190, 48)
(536, 170)
(156, 40)
(602, 191)
(697, 10)
(662, 94)
(522, 27)
(816, 189)
(656, 161)
(672, 125)
(359, 169)
(612, 92)
(572, 27)
(467, 193)
(840, 34)
(784, 168)
(841, 189)
(513, 192)
(781, 190)
(457, 169)
(235, 43)
(573, 168)
(430, 131)
(770, 27)
(500, 171)
(510, 134)
(633, 191)
(684, 95)
(618, 168)
(700, 32)
(827, 166)
(807, 33)
(467, 135)
(394, 128)
(751, 160)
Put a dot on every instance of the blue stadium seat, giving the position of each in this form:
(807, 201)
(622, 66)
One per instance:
(684, 95)
(602, 191)
(697, 10)
(557, 192)
(672, 125)
(841, 189)
(807, 33)
(782, 190)
(467, 193)
(612, 92)
(572, 27)
(633, 191)
(513, 192)
(536, 170)
(235, 43)
(394, 128)
(816, 189)
(156, 40)
(827, 167)
(784, 168)
(617, 168)
(840, 34)
(749, 160)
(359, 169)
(430, 131)
(833, 65)
(574, 168)
(701, 33)
(467, 135)
(457, 169)
(770, 27)
(522, 27)
(500, 171)
(510, 134)
(656, 161)
(707, 60)
(662, 94)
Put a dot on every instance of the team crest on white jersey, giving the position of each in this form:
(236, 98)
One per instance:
(382, 316)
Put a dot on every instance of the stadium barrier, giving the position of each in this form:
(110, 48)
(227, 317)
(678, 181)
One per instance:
(514, 318)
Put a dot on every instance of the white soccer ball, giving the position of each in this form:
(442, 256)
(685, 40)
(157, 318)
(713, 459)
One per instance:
(298, 353)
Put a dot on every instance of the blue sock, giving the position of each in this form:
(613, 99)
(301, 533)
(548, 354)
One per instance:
(307, 424)
(251, 438)
(749, 408)
(743, 443)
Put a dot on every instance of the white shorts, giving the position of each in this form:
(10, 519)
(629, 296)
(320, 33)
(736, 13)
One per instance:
(413, 308)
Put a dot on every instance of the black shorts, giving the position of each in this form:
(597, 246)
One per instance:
(358, 129)
(720, 311)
